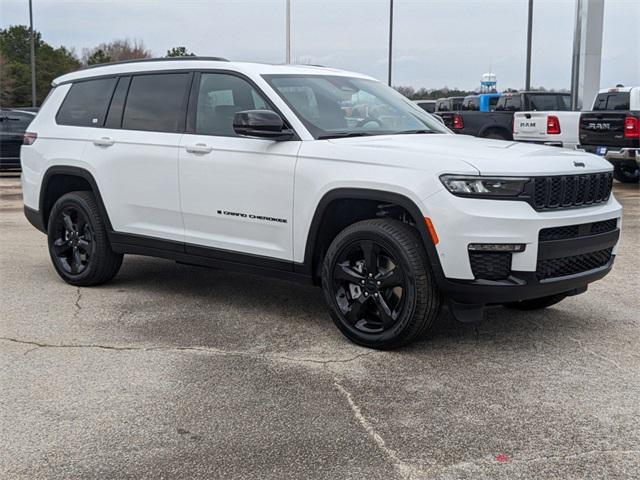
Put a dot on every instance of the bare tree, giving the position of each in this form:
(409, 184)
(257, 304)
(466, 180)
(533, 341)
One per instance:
(116, 51)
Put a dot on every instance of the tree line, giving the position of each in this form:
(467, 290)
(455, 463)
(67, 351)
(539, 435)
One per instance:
(15, 62)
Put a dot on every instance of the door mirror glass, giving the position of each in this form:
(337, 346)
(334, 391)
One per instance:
(261, 124)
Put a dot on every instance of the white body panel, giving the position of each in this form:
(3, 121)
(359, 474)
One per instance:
(532, 127)
(239, 196)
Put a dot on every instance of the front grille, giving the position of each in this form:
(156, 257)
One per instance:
(568, 191)
(574, 231)
(560, 267)
(490, 266)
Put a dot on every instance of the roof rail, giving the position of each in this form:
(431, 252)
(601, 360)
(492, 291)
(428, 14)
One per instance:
(159, 59)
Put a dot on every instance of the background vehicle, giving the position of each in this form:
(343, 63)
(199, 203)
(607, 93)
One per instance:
(555, 128)
(256, 168)
(449, 104)
(484, 102)
(427, 105)
(13, 123)
(499, 123)
(612, 129)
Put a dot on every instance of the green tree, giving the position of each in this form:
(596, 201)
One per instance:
(97, 57)
(50, 63)
(179, 52)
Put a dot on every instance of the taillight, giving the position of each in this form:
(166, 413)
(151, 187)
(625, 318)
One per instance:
(29, 138)
(631, 127)
(553, 125)
(458, 124)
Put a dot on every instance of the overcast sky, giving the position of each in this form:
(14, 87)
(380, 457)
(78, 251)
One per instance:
(437, 42)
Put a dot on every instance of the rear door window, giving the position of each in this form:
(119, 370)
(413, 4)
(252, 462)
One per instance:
(157, 102)
(86, 103)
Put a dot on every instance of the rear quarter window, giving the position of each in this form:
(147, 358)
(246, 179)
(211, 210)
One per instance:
(86, 103)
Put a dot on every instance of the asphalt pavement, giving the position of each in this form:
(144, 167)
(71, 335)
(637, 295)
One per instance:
(172, 371)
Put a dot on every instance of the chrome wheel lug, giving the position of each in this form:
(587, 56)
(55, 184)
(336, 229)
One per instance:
(375, 295)
(366, 294)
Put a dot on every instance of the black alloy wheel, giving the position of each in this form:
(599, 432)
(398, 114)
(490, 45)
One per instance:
(369, 286)
(78, 242)
(378, 284)
(73, 245)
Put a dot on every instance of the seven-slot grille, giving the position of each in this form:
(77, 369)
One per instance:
(567, 191)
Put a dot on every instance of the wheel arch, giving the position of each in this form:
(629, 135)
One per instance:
(324, 227)
(60, 180)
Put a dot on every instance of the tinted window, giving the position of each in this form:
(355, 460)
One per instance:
(456, 103)
(157, 102)
(220, 97)
(86, 103)
(15, 122)
(612, 101)
(512, 104)
(493, 101)
(543, 102)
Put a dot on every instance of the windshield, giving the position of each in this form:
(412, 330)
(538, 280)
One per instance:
(332, 106)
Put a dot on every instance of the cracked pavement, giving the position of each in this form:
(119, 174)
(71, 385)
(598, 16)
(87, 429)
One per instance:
(181, 372)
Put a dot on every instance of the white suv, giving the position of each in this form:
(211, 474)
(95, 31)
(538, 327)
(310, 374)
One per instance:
(311, 174)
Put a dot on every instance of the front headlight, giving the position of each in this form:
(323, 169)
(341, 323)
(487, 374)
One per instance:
(478, 186)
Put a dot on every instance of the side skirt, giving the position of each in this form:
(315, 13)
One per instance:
(201, 256)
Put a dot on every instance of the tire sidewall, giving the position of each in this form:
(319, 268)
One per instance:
(396, 332)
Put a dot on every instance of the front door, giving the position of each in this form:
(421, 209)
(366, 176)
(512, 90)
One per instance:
(237, 193)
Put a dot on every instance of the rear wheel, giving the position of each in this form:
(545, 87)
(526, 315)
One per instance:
(536, 303)
(496, 135)
(627, 173)
(78, 243)
(378, 284)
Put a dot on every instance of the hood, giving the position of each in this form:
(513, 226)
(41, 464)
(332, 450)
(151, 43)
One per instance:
(488, 156)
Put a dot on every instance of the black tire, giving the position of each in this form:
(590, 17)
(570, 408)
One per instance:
(389, 305)
(536, 303)
(78, 242)
(627, 173)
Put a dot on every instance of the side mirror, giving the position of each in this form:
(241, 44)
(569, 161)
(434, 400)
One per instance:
(261, 124)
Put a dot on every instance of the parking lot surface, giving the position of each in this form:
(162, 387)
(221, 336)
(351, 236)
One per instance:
(172, 371)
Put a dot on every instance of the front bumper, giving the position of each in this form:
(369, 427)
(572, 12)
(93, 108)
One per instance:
(462, 221)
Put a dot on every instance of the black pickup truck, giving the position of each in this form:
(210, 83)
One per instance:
(612, 129)
(499, 123)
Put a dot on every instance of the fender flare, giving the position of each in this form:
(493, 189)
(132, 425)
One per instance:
(375, 195)
(74, 172)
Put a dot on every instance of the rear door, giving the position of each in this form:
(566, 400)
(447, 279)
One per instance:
(135, 153)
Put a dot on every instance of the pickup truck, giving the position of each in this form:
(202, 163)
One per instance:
(612, 129)
(449, 104)
(499, 123)
(554, 128)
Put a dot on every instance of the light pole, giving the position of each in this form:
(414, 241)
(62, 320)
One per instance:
(33, 57)
(527, 82)
(390, 40)
(288, 32)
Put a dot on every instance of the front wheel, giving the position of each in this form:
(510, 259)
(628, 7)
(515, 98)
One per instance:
(378, 284)
(627, 173)
(78, 243)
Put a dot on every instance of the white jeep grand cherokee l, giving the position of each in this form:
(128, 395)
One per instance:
(312, 174)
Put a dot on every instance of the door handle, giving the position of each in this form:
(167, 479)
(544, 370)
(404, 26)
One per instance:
(104, 142)
(199, 148)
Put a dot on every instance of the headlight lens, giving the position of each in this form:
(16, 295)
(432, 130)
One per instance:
(477, 186)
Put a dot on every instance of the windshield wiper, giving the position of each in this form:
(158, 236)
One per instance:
(410, 132)
(344, 135)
